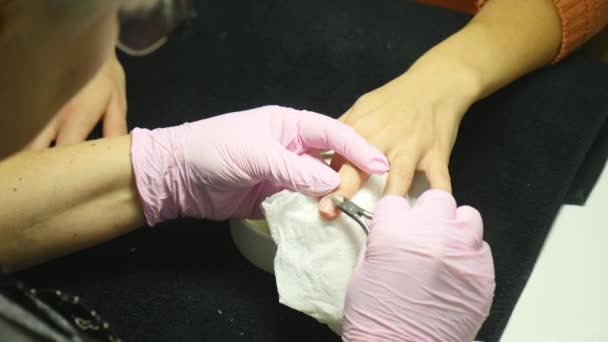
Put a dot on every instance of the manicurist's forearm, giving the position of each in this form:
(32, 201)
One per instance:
(504, 41)
(56, 201)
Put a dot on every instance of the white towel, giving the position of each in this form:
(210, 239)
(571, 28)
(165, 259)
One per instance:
(315, 258)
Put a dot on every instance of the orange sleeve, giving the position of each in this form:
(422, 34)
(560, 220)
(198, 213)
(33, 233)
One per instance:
(581, 19)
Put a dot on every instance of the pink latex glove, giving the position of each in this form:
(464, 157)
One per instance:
(426, 275)
(225, 166)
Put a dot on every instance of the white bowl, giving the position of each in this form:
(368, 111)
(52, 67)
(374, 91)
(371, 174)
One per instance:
(252, 238)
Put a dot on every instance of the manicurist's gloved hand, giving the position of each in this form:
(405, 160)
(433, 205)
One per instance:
(225, 166)
(427, 274)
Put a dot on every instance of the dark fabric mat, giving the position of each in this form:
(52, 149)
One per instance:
(589, 172)
(515, 159)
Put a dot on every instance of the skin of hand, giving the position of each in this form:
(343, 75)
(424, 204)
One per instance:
(225, 166)
(56, 201)
(48, 51)
(102, 98)
(425, 275)
(414, 119)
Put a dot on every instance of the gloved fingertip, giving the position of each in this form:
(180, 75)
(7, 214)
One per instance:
(363, 155)
(469, 214)
(378, 165)
(470, 220)
(439, 201)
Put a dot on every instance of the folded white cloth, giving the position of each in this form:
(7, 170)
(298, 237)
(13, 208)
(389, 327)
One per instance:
(315, 258)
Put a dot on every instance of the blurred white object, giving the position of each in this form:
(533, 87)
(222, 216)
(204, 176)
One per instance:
(252, 239)
(566, 296)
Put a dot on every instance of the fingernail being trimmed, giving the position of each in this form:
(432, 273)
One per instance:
(327, 208)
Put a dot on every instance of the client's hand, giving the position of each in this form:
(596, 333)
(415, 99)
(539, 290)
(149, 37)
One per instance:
(414, 120)
(225, 166)
(103, 97)
(426, 275)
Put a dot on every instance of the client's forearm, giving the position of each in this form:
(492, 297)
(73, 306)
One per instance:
(504, 41)
(60, 200)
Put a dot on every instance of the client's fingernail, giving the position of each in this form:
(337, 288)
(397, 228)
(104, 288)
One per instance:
(325, 206)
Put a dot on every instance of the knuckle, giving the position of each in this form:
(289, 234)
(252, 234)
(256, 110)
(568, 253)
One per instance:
(363, 99)
(401, 161)
(402, 173)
